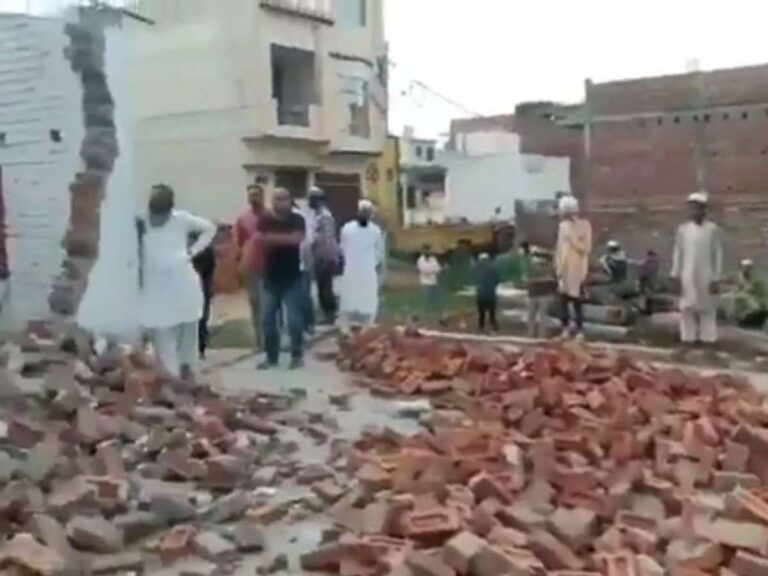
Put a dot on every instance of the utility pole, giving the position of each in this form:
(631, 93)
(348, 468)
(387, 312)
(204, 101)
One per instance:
(700, 147)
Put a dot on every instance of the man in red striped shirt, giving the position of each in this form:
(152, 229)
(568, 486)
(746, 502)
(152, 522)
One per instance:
(251, 254)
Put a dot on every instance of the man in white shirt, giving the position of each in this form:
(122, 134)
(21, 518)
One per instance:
(362, 246)
(697, 264)
(429, 272)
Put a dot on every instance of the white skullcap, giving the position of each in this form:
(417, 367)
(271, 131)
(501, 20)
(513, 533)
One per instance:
(568, 205)
(700, 197)
(365, 205)
(612, 244)
(484, 256)
(746, 263)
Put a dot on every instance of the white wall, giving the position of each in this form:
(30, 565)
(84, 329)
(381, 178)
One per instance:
(408, 156)
(114, 277)
(477, 185)
(490, 142)
(37, 174)
(39, 93)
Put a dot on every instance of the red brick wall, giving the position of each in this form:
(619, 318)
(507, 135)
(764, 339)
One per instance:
(643, 165)
(732, 87)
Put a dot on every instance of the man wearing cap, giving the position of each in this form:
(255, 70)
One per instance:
(750, 306)
(574, 245)
(614, 262)
(697, 264)
(362, 247)
(325, 251)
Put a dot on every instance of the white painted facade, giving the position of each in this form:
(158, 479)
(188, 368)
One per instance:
(41, 130)
(477, 185)
(207, 121)
(38, 93)
(422, 181)
(485, 143)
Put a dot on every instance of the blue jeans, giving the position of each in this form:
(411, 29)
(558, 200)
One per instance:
(276, 295)
(309, 306)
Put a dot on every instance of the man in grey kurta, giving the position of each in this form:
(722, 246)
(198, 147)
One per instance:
(697, 264)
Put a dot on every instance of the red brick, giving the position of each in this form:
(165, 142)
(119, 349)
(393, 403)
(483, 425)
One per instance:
(749, 564)
(508, 537)
(752, 505)
(326, 558)
(553, 553)
(747, 535)
(727, 481)
(459, 551)
(486, 486)
(430, 524)
(423, 564)
(698, 554)
(496, 560)
(736, 457)
(575, 526)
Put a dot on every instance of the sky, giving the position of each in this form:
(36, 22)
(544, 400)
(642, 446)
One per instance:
(488, 55)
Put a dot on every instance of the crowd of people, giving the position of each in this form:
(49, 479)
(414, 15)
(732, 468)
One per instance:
(561, 277)
(285, 254)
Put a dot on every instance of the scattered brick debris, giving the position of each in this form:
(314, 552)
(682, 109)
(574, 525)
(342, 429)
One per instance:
(556, 460)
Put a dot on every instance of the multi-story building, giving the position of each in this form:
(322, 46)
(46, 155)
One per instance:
(422, 180)
(286, 93)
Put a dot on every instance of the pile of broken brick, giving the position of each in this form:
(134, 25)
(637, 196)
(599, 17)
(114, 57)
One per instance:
(551, 461)
(105, 469)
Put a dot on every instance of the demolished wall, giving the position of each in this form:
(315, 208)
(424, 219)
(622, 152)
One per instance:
(99, 150)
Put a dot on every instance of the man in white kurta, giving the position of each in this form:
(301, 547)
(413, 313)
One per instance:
(171, 294)
(697, 264)
(362, 246)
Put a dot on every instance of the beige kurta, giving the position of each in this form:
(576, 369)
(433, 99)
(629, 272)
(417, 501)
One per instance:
(574, 244)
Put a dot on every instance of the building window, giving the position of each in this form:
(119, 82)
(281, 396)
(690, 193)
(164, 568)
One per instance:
(390, 174)
(744, 115)
(356, 98)
(410, 197)
(430, 154)
(351, 13)
(55, 136)
(419, 152)
(293, 84)
(293, 180)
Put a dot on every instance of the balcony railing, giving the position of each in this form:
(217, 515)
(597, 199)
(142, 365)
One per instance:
(319, 10)
(293, 114)
(296, 122)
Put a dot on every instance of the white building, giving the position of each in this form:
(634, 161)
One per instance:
(284, 92)
(487, 171)
(422, 180)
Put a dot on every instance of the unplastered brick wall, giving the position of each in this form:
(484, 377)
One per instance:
(98, 151)
(40, 134)
(735, 86)
(654, 141)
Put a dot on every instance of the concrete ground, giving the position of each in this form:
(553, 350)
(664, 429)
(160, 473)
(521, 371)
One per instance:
(230, 373)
